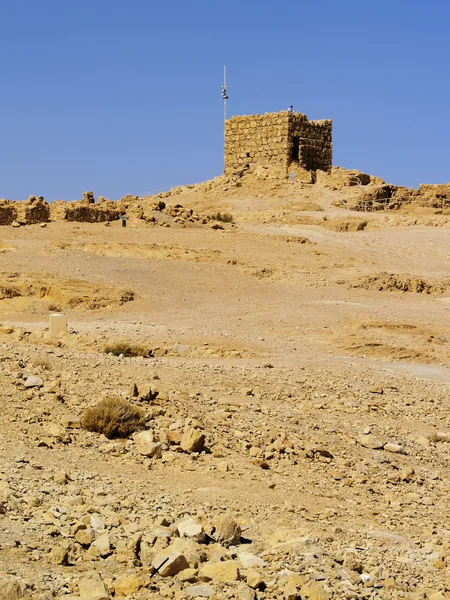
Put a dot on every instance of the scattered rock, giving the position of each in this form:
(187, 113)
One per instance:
(33, 381)
(189, 528)
(199, 591)
(220, 572)
(91, 587)
(227, 531)
(192, 440)
(169, 562)
(372, 442)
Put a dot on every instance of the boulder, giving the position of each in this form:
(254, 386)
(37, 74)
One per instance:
(33, 381)
(199, 591)
(220, 572)
(187, 527)
(169, 562)
(146, 445)
(192, 440)
(227, 531)
(91, 587)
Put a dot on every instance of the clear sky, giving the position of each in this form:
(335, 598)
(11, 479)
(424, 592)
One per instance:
(124, 96)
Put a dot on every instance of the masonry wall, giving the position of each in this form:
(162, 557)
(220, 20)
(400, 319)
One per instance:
(277, 141)
(257, 139)
(315, 142)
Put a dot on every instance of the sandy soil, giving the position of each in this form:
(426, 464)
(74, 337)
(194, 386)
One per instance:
(292, 366)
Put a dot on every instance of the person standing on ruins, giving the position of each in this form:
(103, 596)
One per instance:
(291, 110)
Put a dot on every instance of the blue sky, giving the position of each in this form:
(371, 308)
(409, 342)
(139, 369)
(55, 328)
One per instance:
(124, 97)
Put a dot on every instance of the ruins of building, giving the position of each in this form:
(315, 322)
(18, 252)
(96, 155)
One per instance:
(278, 142)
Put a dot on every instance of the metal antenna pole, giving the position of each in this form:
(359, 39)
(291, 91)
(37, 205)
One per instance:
(225, 98)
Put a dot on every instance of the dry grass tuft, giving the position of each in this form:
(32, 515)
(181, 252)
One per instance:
(223, 217)
(114, 417)
(126, 349)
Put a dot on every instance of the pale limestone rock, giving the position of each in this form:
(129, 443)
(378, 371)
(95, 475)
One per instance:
(227, 531)
(313, 590)
(187, 527)
(128, 584)
(254, 578)
(199, 591)
(247, 560)
(169, 562)
(59, 555)
(70, 422)
(195, 553)
(220, 572)
(395, 448)
(33, 381)
(103, 545)
(91, 587)
(370, 441)
(146, 445)
(85, 536)
(192, 440)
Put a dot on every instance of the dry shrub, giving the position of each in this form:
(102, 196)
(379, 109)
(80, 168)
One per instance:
(127, 349)
(223, 217)
(114, 417)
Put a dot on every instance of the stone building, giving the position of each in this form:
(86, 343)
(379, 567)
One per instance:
(279, 143)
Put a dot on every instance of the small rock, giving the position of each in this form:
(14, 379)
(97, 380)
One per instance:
(169, 562)
(407, 474)
(70, 422)
(314, 591)
(60, 477)
(189, 528)
(103, 545)
(146, 445)
(192, 440)
(199, 591)
(33, 381)
(187, 576)
(60, 555)
(254, 579)
(85, 536)
(395, 448)
(370, 441)
(91, 587)
(129, 584)
(220, 572)
(246, 559)
(227, 531)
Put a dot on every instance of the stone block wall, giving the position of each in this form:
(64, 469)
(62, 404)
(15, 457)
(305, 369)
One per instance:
(277, 142)
(8, 212)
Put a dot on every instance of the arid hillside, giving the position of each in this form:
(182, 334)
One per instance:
(270, 363)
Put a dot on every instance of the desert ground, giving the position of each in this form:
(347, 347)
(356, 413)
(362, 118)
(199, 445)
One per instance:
(295, 384)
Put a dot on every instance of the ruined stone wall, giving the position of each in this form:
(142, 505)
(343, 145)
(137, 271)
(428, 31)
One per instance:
(8, 212)
(314, 142)
(257, 140)
(34, 210)
(277, 142)
(392, 197)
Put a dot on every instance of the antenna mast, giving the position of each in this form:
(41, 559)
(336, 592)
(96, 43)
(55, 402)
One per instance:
(225, 98)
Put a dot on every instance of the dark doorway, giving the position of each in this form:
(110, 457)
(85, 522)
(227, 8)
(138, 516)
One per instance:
(295, 148)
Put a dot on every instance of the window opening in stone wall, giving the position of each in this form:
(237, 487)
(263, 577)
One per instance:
(295, 148)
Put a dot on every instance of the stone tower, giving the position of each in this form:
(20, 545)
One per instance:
(278, 143)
